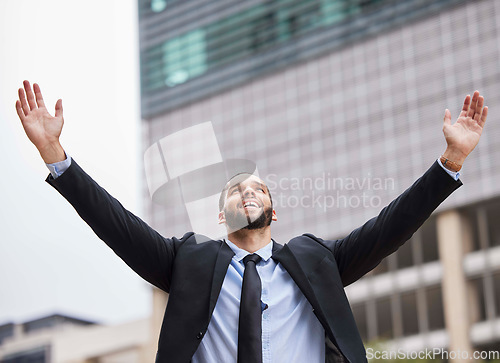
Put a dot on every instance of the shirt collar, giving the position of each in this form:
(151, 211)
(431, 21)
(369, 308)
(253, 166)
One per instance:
(239, 254)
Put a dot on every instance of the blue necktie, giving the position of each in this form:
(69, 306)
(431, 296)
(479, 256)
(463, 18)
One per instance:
(250, 322)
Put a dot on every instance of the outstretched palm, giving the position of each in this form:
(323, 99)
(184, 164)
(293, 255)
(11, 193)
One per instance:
(463, 136)
(42, 129)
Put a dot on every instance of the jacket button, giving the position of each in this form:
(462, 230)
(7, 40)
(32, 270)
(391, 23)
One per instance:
(200, 335)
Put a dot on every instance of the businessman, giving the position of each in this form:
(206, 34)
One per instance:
(247, 298)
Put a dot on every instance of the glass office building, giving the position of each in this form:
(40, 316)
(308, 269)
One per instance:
(340, 105)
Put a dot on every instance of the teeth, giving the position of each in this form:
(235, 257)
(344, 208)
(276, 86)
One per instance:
(250, 204)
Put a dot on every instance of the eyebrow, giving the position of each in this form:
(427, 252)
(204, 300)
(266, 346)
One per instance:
(237, 185)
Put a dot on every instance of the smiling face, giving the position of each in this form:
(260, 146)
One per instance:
(246, 203)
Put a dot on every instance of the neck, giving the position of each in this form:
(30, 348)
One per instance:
(251, 240)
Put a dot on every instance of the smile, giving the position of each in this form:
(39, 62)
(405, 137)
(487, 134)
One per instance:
(250, 205)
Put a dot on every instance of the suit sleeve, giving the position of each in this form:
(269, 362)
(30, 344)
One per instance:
(148, 253)
(366, 246)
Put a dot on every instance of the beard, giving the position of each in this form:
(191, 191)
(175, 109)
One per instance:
(236, 220)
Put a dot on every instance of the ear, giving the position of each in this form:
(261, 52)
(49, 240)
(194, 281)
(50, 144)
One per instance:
(222, 217)
(274, 218)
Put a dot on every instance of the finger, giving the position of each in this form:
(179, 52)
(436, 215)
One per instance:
(38, 95)
(473, 104)
(24, 104)
(479, 108)
(19, 110)
(447, 117)
(482, 120)
(59, 108)
(29, 95)
(465, 107)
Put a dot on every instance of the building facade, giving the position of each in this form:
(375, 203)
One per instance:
(62, 339)
(340, 105)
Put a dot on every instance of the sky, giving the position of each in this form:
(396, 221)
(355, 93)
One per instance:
(85, 52)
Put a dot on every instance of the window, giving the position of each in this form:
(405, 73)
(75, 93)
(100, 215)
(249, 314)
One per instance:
(429, 240)
(409, 313)
(435, 312)
(472, 217)
(493, 215)
(384, 318)
(359, 312)
(405, 255)
(239, 35)
(184, 57)
(175, 61)
(158, 6)
(496, 283)
(36, 355)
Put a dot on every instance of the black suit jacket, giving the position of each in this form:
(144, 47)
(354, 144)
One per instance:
(193, 273)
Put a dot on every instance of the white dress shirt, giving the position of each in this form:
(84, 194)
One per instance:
(290, 330)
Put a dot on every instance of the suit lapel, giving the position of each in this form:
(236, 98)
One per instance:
(221, 264)
(284, 255)
(340, 329)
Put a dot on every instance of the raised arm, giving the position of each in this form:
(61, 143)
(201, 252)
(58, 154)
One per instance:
(142, 248)
(366, 246)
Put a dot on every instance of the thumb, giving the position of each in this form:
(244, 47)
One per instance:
(447, 117)
(59, 108)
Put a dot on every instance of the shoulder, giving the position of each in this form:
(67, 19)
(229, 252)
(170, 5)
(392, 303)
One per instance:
(307, 239)
(308, 243)
(194, 242)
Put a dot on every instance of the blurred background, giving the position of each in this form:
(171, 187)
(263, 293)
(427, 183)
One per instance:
(339, 103)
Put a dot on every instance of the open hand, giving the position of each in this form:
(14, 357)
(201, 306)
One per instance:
(42, 129)
(463, 136)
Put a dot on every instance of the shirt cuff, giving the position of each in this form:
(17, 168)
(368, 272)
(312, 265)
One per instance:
(454, 174)
(56, 169)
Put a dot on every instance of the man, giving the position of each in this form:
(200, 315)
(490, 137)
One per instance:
(249, 298)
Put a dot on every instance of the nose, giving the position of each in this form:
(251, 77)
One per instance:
(248, 191)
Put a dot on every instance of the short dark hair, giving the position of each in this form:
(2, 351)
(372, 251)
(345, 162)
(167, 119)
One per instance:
(222, 197)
